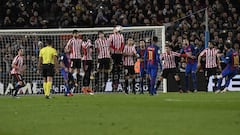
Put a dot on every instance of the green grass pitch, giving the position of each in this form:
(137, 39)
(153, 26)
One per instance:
(119, 114)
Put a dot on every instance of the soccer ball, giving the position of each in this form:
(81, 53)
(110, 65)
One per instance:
(40, 43)
(118, 28)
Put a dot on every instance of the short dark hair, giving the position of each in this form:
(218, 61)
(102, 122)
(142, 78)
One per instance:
(228, 44)
(213, 42)
(18, 48)
(169, 46)
(130, 37)
(155, 39)
(142, 40)
(75, 31)
(100, 32)
(49, 41)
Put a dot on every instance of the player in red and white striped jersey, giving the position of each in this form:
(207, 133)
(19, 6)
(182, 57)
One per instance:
(17, 70)
(211, 56)
(102, 44)
(87, 48)
(169, 59)
(212, 62)
(128, 61)
(169, 66)
(116, 47)
(116, 41)
(74, 48)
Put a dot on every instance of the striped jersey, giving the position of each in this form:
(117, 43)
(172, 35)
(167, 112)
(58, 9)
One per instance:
(211, 57)
(74, 45)
(116, 43)
(130, 51)
(18, 61)
(102, 46)
(87, 50)
(168, 59)
(151, 56)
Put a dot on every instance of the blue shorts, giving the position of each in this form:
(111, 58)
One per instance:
(142, 72)
(191, 68)
(228, 71)
(152, 70)
(64, 74)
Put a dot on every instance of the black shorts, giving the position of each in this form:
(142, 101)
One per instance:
(87, 65)
(76, 63)
(17, 77)
(129, 70)
(47, 70)
(168, 71)
(104, 63)
(117, 59)
(210, 71)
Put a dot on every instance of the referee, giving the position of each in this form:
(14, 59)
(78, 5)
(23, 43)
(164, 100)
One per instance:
(47, 63)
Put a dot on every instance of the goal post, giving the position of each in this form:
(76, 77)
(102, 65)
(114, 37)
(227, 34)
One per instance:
(33, 39)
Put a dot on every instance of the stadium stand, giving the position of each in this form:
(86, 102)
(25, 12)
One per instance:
(224, 20)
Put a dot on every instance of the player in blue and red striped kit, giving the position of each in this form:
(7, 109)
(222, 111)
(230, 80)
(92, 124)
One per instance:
(191, 61)
(231, 69)
(151, 58)
(141, 51)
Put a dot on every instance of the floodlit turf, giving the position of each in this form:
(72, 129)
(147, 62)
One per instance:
(119, 114)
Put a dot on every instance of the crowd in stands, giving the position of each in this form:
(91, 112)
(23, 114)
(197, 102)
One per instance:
(183, 18)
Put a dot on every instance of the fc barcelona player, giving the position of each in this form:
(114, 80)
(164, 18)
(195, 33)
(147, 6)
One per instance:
(231, 69)
(151, 58)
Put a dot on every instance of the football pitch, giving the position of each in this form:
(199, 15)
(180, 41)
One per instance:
(119, 114)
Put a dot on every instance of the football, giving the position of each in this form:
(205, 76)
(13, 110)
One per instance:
(118, 28)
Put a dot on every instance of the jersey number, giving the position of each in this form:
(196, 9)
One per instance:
(150, 55)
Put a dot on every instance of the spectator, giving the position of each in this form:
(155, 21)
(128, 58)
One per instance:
(223, 15)
(35, 19)
(237, 40)
(33, 63)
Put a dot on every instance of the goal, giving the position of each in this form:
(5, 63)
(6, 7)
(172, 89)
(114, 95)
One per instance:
(33, 39)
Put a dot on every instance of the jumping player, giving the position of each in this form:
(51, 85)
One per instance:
(74, 48)
(104, 56)
(116, 47)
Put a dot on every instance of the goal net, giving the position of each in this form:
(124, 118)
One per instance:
(32, 40)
